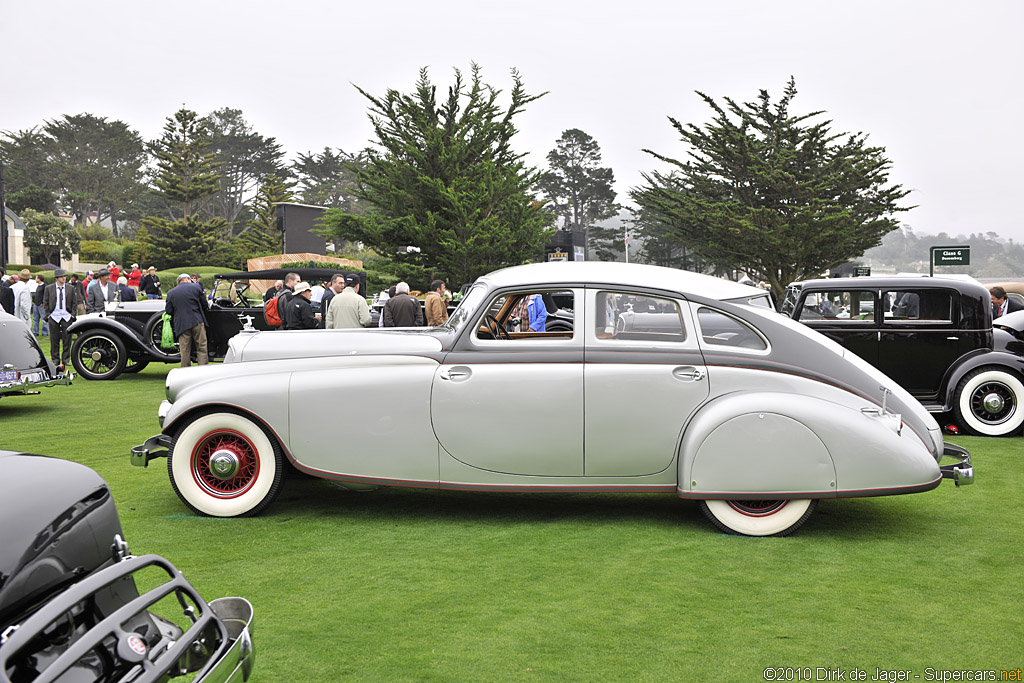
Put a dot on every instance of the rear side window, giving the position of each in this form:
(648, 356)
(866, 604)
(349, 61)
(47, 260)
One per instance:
(719, 329)
(926, 305)
(631, 316)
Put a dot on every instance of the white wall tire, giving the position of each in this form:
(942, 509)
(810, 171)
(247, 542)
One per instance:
(758, 517)
(225, 465)
(990, 402)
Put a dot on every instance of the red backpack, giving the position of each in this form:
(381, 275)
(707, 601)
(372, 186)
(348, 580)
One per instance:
(271, 313)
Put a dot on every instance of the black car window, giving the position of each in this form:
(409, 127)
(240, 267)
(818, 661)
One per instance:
(633, 316)
(723, 330)
(926, 305)
(838, 306)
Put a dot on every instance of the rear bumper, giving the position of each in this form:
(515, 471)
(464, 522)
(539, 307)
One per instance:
(22, 386)
(961, 471)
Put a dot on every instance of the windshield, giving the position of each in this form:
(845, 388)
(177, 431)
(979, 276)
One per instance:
(470, 302)
(789, 303)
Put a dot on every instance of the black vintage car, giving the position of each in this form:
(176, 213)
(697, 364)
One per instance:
(127, 337)
(24, 368)
(76, 605)
(934, 336)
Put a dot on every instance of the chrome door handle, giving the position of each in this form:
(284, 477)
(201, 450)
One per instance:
(689, 373)
(456, 374)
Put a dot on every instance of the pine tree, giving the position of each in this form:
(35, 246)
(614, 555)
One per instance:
(580, 190)
(186, 174)
(769, 193)
(262, 236)
(446, 180)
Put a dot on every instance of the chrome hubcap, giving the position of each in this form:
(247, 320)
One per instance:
(224, 464)
(96, 355)
(993, 403)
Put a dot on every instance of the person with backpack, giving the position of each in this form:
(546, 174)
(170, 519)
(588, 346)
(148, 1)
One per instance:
(273, 311)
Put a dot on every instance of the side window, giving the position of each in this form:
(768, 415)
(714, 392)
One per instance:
(631, 316)
(528, 315)
(931, 305)
(838, 306)
(719, 329)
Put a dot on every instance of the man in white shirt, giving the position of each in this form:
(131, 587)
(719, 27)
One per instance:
(23, 297)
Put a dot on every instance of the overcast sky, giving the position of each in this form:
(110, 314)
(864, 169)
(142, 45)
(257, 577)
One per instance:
(938, 84)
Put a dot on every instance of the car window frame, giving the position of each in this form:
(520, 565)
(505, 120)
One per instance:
(706, 345)
(468, 338)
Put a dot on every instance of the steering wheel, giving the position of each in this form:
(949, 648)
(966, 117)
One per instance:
(495, 327)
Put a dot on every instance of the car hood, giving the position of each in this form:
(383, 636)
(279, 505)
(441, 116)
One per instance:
(278, 345)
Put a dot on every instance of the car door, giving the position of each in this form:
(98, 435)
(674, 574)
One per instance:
(510, 400)
(919, 337)
(643, 376)
(846, 316)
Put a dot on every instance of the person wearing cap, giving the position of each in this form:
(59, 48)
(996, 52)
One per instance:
(115, 272)
(298, 313)
(135, 278)
(100, 291)
(348, 310)
(60, 301)
(150, 284)
(187, 307)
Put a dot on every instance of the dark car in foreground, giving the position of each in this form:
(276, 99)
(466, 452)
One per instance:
(76, 605)
(127, 337)
(933, 336)
(24, 368)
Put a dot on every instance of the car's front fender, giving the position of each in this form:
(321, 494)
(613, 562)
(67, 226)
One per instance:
(750, 445)
(130, 338)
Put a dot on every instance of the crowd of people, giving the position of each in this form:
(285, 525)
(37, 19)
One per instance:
(340, 302)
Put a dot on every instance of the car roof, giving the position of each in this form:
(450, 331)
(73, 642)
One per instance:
(892, 281)
(616, 273)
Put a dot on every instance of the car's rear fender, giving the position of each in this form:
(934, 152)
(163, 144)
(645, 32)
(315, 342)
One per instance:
(795, 446)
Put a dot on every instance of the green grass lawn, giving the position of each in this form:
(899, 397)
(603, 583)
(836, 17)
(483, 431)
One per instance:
(410, 585)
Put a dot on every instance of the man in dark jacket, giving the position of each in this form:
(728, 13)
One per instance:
(298, 314)
(187, 308)
(403, 310)
(335, 286)
(60, 302)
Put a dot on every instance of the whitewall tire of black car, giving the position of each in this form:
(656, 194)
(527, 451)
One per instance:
(225, 465)
(758, 517)
(990, 401)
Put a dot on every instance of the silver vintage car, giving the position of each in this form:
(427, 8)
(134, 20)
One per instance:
(665, 381)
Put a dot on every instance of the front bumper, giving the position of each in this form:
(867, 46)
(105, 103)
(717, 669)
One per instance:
(961, 472)
(157, 446)
(24, 386)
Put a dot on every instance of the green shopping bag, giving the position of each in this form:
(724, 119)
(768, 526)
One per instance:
(167, 334)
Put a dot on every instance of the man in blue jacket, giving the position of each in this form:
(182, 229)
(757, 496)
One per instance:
(187, 308)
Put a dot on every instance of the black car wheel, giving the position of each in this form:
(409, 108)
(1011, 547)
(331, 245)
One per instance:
(989, 401)
(152, 334)
(98, 355)
(133, 366)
